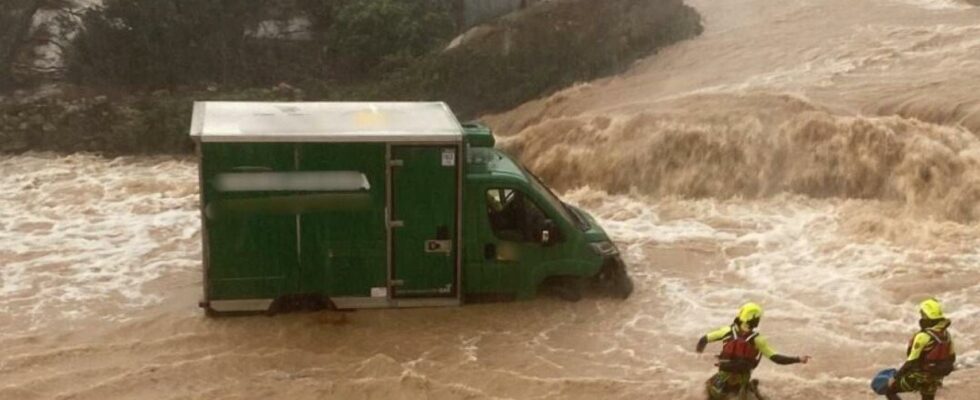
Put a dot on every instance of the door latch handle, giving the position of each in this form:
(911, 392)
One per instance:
(396, 224)
(397, 282)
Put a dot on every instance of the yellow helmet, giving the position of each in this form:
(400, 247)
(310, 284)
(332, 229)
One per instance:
(931, 309)
(749, 312)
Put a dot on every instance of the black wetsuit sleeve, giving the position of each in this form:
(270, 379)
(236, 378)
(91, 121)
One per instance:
(702, 343)
(784, 360)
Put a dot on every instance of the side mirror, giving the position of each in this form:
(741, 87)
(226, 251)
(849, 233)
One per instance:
(548, 232)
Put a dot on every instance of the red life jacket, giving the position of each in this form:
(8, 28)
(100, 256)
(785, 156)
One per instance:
(738, 353)
(936, 357)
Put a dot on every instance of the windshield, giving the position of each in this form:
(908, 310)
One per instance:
(557, 204)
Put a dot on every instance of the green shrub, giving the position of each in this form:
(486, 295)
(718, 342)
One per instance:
(389, 48)
(524, 59)
(368, 33)
(166, 43)
(161, 42)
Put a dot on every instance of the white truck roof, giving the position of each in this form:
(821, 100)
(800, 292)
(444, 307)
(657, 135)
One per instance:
(324, 122)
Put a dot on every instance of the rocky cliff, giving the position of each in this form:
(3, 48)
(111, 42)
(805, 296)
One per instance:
(542, 48)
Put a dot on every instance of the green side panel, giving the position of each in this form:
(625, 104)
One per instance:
(424, 191)
(343, 249)
(251, 255)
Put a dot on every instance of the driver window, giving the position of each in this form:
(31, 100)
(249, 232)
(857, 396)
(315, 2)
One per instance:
(513, 216)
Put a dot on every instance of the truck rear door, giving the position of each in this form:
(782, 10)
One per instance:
(424, 201)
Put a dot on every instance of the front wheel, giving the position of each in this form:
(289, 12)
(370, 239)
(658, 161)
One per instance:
(568, 288)
(614, 280)
(623, 287)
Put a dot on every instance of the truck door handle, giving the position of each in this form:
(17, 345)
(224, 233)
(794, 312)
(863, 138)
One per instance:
(490, 251)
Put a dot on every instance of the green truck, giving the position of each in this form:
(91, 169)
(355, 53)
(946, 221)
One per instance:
(372, 205)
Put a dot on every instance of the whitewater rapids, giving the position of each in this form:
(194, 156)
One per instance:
(821, 157)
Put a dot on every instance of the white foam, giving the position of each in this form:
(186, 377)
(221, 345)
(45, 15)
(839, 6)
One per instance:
(937, 4)
(87, 234)
(799, 258)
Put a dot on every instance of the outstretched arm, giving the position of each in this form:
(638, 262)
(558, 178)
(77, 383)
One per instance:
(712, 336)
(786, 360)
(702, 343)
(763, 345)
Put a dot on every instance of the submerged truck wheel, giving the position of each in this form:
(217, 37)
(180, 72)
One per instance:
(624, 286)
(613, 279)
(568, 288)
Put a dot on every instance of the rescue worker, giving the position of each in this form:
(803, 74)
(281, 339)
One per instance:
(742, 349)
(930, 355)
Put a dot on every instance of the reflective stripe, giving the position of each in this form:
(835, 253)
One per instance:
(934, 336)
(734, 333)
(308, 181)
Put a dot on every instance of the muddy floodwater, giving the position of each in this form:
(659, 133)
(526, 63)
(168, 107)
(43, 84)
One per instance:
(820, 157)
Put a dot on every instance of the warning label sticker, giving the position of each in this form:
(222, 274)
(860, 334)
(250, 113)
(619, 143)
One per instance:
(438, 246)
(449, 158)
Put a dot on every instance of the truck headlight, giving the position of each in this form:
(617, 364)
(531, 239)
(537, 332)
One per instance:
(604, 248)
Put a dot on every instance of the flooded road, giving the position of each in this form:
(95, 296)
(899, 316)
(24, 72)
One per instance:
(819, 157)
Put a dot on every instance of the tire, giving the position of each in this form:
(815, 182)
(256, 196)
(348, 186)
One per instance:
(624, 286)
(568, 288)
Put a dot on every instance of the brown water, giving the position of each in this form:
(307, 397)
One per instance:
(819, 157)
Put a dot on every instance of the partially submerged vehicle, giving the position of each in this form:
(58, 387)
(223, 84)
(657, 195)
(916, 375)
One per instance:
(369, 205)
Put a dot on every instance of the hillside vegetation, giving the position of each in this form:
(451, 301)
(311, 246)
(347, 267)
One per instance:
(136, 66)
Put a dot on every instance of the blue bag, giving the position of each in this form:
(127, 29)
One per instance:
(880, 382)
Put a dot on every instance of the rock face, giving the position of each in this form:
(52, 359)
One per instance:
(505, 62)
(553, 44)
(33, 34)
(16, 18)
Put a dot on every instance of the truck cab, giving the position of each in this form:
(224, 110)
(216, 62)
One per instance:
(523, 237)
(376, 205)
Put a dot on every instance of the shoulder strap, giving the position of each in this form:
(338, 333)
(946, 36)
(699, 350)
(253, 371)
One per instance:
(934, 336)
(735, 334)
